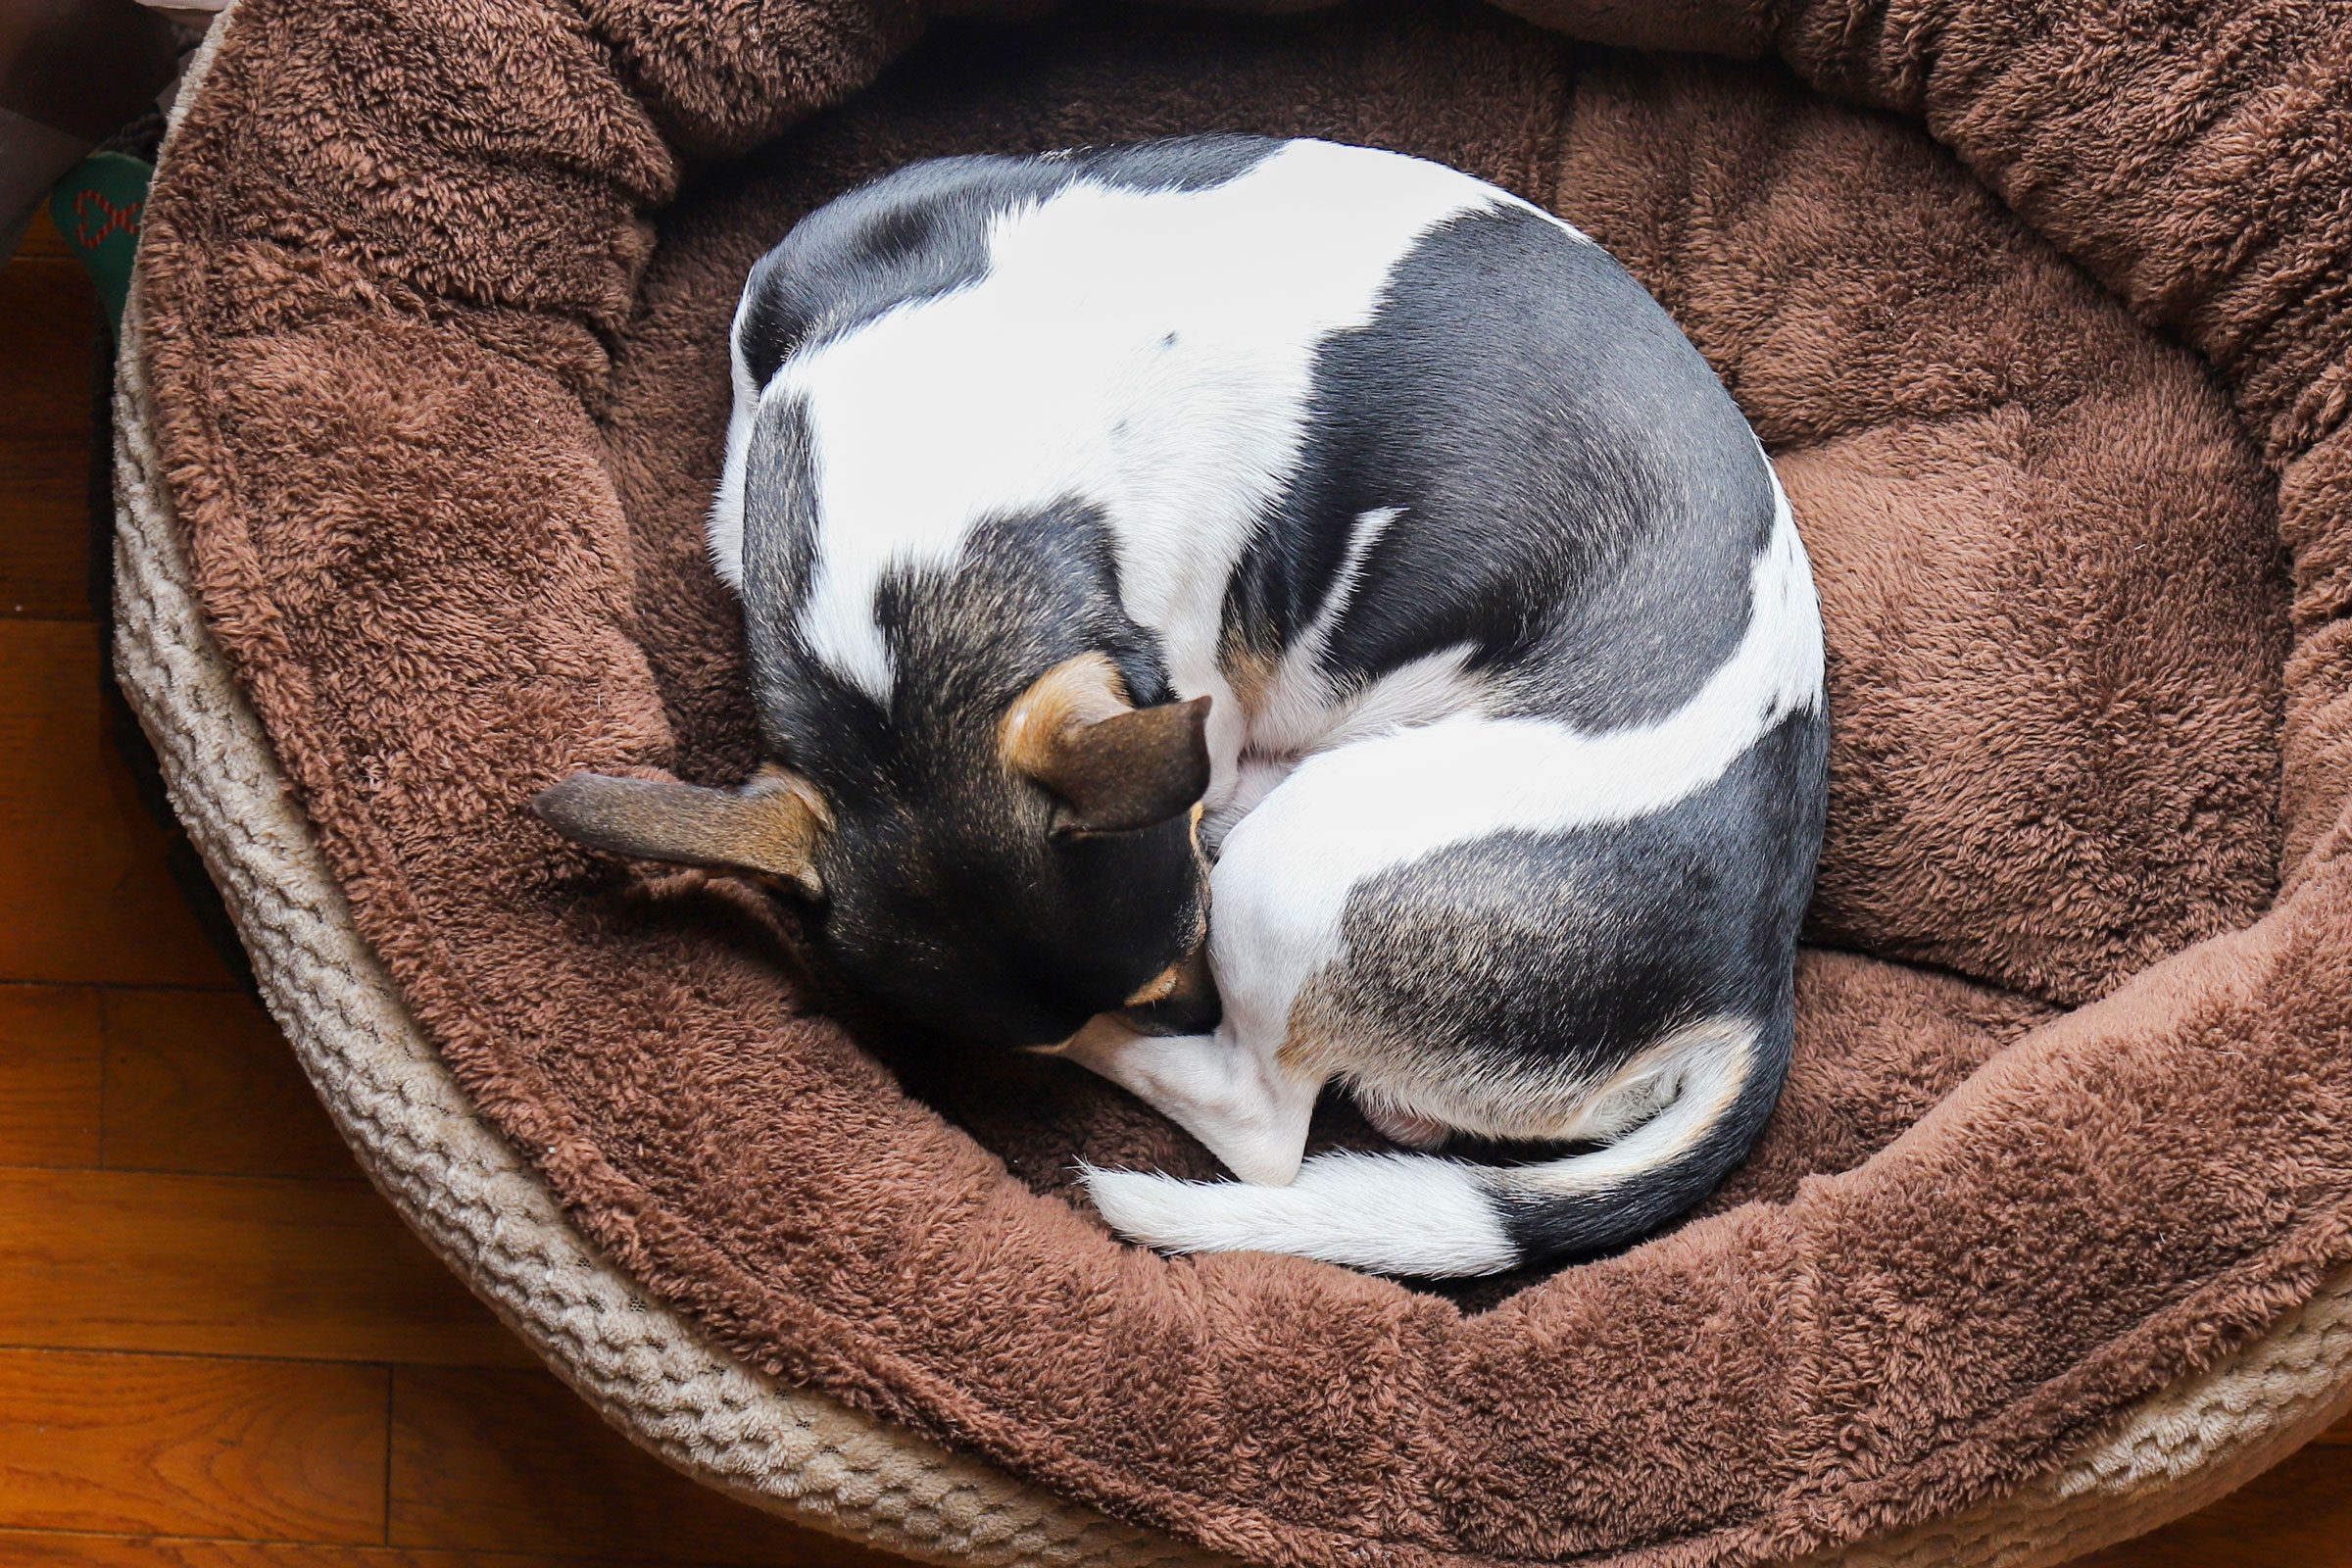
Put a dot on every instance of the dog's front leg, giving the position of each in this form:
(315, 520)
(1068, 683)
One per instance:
(1242, 1104)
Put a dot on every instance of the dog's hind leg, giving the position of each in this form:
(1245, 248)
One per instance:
(1243, 1105)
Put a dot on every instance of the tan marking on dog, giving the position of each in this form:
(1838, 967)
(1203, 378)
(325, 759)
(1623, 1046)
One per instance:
(1073, 693)
(1116, 767)
(784, 819)
(1158, 988)
(1247, 668)
(1312, 1035)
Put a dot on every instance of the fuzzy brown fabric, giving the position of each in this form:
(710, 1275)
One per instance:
(2045, 312)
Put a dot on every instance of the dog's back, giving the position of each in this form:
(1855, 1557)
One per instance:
(1517, 742)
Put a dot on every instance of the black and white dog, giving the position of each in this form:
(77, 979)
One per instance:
(1320, 536)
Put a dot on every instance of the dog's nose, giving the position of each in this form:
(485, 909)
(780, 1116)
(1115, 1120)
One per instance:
(1181, 1000)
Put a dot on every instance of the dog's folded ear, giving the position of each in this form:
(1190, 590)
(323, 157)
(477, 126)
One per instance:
(769, 827)
(1113, 767)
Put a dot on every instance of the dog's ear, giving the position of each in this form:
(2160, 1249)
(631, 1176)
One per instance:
(1113, 766)
(769, 827)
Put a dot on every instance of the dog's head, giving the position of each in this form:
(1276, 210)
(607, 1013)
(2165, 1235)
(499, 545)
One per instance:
(1004, 884)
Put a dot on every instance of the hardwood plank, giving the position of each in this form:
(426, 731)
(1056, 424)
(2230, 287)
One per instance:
(51, 1066)
(81, 849)
(48, 328)
(514, 1461)
(49, 340)
(135, 1260)
(57, 1550)
(43, 513)
(2297, 1515)
(268, 1449)
(202, 1081)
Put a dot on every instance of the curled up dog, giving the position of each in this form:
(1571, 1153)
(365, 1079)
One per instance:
(1257, 615)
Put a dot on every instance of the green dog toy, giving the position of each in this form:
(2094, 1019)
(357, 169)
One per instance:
(98, 207)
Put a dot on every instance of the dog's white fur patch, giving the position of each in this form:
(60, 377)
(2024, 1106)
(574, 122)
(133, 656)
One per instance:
(1243, 1106)
(1397, 1213)
(1112, 354)
(1423, 1215)
(722, 531)
(1293, 714)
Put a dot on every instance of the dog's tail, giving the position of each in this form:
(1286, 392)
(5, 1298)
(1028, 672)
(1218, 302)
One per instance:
(1432, 1218)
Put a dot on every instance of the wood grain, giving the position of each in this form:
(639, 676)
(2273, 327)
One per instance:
(202, 1081)
(51, 1067)
(48, 312)
(266, 1450)
(84, 876)
(228, 1265)
(52, 1550)
(512, 1461)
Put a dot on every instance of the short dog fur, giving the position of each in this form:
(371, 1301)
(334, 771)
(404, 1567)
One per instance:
(1320, 536)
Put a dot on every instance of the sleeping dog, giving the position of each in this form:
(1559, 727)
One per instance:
(1311, 534)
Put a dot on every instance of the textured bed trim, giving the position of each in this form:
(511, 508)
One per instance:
(798, 1453)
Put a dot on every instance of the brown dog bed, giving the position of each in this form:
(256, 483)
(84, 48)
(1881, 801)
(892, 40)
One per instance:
(429, 359)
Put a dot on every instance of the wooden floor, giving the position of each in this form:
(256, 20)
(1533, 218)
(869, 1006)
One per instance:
(219, 1348)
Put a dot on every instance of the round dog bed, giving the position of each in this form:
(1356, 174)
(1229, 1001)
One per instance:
(421, 402)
